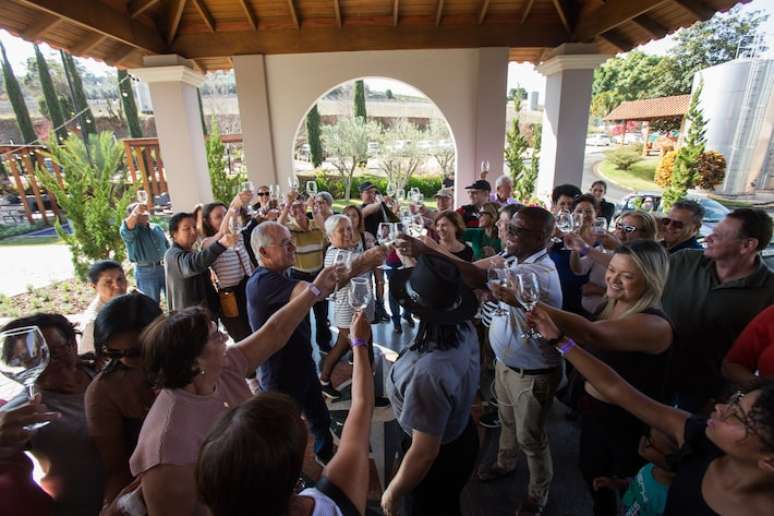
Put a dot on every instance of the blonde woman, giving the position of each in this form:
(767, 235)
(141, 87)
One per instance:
(633, 336)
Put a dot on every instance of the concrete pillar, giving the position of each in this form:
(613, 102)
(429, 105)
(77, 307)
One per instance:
(569, 71)
(255, 116)
(173, 82)
(492, 84)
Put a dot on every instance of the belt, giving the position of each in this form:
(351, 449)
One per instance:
(533, 372)
(151, 264)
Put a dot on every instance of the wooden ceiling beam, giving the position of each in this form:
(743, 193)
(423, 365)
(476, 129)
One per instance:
(87, 44)
(527, 10)
(294, 14)
(104, 20)
(651, 26)
(563, 15)
(43, 24)
(337, 9)
(117, 58)
(333, 39)
(395, 8)
(698, 9)
(205, 14)
(611, 15)
(174, 14)
(137, 7)
(617, 40)
(438, 13)
(251, 18)
(482, 12)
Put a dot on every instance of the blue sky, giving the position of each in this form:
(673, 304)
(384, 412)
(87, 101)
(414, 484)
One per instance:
(518, 73)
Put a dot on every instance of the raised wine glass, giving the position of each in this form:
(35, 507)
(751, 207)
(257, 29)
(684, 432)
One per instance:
(274, 192)
(564, 222)
(311, 188)
(24, 355)
(390, 190)
(528, 294)
(418, 225)
(496, 276)
(359, 293)
(342, 261)
(293, 183)
(249, 186)
(142, 196)
(599, 228)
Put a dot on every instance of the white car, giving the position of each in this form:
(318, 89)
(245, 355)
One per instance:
(598, 140)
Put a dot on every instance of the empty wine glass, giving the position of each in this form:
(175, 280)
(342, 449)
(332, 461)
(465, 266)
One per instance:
(564, 222)
(24, 355)
(359, 293)
(249, 186)
(384, 233)
(390, 190)
(293, 182)
(577, 222)
(142, 196)
(496, 277)
(400, 195)
(485, 166)
(528, 294)
(274, 192)
(599, 227)
(342, 261)
(311, 188)
(418, 225)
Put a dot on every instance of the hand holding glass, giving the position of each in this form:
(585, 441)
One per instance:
(24, 355)
(359, 293)
(528, 294)
(142, 196)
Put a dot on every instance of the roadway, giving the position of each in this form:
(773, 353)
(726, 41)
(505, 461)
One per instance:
(594, 155)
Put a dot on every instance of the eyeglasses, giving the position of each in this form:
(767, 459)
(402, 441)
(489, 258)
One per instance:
(626, 228)
(666, 222)
(733, 409)
(117, 353)
(262, 194)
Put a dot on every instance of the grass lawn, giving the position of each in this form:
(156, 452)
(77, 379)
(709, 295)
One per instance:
(639, 178)
(46, 240)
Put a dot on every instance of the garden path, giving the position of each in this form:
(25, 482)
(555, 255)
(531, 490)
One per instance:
(33, 265)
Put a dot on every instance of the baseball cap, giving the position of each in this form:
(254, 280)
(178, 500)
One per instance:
(366, 185)
(480, 185)
(443, 192)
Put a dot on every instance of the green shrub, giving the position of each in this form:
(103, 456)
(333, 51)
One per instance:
(623, 158)
(334, 184)
(665, 168)
(8, 231)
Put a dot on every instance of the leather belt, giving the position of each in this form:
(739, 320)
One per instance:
(151, 264)
(533, 372)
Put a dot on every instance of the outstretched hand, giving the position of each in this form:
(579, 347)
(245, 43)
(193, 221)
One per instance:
(326, 280)
(539, 319)
(410, 246)
(361, 328)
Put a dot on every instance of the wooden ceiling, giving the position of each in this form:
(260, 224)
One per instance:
(121, 32)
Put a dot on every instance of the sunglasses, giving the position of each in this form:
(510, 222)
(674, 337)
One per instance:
(666, 222)
(117, 353)
(626, 228)
(262, 194)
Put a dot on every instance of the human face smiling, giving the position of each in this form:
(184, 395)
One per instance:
(586, 210)
(111, 283)
(624, 280)
(725, 242)
(446, 230)
(623, 229)
(342, 235)
(678, 227)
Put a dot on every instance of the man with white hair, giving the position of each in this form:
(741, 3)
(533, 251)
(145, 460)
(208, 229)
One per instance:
(292, 369)
(503, 193)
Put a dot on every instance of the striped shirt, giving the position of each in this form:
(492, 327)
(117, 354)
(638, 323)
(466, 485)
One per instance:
(233, 265)
(343, 312)
(488, 308)
(310, 245)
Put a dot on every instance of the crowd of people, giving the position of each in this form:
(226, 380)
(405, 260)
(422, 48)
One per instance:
(662, 345)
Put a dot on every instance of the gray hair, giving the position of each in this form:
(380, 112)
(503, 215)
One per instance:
(325, 197)
(332, 222)
(503, 179)
(264, 235)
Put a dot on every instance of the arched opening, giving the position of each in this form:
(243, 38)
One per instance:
(404, 139)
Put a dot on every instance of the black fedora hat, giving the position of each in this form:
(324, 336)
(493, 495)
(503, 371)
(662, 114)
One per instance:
(434, 291)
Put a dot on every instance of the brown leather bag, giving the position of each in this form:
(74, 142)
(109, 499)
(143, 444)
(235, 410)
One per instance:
(228, 303)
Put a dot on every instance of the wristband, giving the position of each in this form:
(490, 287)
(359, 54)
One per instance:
(314, 290)
(566, 346)
(357, 342)
(583, 252)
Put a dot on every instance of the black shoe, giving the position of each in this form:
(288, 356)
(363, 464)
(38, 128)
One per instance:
(329, 391)
(381, 402)
(491, 420)
(409, 320)
(397, 328)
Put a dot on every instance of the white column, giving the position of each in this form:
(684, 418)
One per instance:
(255, 116)
(492, 86)
(569, 71)
(173, 82)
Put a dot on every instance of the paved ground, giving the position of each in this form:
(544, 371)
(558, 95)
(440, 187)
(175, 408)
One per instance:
(594, 155)
(33, 265)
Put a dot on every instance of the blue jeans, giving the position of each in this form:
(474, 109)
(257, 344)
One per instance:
(394, 306)
(151, 280)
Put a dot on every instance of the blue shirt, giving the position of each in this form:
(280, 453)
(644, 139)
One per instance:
(571, 283)
(645, 495)
(145, 243)
(691, 243)
(289, 368)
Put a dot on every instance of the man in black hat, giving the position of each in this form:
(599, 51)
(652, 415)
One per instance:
(432, 387)
(478, 193)
(376, 211)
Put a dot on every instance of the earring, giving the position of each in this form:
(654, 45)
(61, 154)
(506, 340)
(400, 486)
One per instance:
(202, 371)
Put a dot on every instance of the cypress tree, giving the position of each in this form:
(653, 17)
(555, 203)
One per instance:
(80, 103)
(360, 100)
(16, 98)
(313, 136)
(52, 100)
(130, 107)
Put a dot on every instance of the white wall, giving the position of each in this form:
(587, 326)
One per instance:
(467, 85)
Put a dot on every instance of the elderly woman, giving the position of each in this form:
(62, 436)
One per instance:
(449, 227)
(339, 231)
(725, 465)
(72, 470)
(199, 380)
(119, 398)
(254, 454)
(432, 386)
(484, 239)
(633, 336)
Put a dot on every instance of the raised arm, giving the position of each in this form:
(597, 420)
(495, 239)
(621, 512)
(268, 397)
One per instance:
(131, 220)
(473, 275)
(192, 263)
(349, 468)
(274, 334)
(578, 245)
(371, 208)
(615, 389)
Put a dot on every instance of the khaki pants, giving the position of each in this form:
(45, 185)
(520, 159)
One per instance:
(524, 402)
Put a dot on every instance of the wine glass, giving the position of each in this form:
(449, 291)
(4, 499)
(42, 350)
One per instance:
(418, 225)
(599, 228)
(342, 261)
(485, 166)
(249, 186)
(274, 192)
(293, 182)
(528, 294)
(142, 196)
(564, 222)
(24, 355)
(384, 233)
(496, 276)
(577, 222)
(407, 221)
(390, 190)
(400, 195)
(311, 188)
(359, 293)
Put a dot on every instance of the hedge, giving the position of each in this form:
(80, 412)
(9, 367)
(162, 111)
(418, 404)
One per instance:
(333, 183)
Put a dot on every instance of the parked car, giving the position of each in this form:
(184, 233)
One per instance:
(651, 201)
(598, 140)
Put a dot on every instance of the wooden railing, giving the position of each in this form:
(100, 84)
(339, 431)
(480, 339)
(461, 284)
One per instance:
(20, 162)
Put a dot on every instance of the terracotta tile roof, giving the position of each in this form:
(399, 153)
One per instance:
(651, 109)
